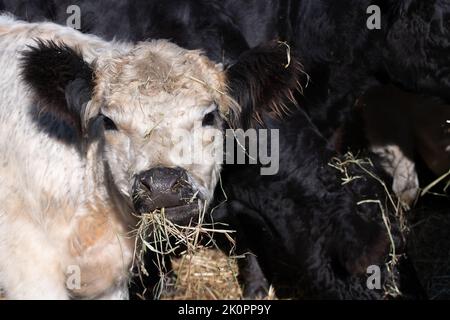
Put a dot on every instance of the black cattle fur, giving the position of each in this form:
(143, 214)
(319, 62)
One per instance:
(191, 24)
(344, 58)
(309, 236)
(264, 79)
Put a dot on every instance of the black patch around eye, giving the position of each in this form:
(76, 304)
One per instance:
(209, 119)
(108, 124)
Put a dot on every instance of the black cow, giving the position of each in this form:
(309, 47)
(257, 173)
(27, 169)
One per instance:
(344, 57)
(190, 24)
(303, 230)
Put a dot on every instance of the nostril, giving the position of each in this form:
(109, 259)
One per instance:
(174, 178)
(146, 184)
(179, 184)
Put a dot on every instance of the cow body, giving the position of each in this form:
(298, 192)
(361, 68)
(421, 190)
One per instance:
(69, 172)
(308, 231)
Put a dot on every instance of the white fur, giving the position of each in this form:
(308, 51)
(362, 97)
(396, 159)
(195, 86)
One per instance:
(55, 208)
(403, 171)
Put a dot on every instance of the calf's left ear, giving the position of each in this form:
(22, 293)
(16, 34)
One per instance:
(60, 78)
(264, 81)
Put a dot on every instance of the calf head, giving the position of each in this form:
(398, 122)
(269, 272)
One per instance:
(147, 114)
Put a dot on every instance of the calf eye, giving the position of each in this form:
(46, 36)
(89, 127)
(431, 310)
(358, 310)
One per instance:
(108, 123)
(209, 119)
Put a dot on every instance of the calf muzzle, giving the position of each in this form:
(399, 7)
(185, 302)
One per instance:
(167, 188)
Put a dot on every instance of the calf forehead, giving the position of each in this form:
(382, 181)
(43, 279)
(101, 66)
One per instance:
(160, 73)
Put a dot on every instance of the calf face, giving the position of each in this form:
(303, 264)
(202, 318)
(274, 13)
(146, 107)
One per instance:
(152, 113)
(147, 113)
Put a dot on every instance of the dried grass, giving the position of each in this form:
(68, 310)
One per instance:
(159, 235)
(206, 274)
(202, 271)
(445, 178)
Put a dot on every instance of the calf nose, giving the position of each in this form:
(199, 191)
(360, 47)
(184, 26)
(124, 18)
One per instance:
(162, 188)
(163, 179)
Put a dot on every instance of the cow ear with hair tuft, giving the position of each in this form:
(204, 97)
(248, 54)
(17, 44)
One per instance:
(60, 78)
(264, 81)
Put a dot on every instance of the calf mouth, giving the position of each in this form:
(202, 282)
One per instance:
(168, 192)
(183, 215)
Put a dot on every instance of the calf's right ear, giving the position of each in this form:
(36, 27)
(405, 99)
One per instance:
(263, 81)
(61, 79)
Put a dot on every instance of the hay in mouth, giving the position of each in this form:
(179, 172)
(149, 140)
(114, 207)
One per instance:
(157, 233)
